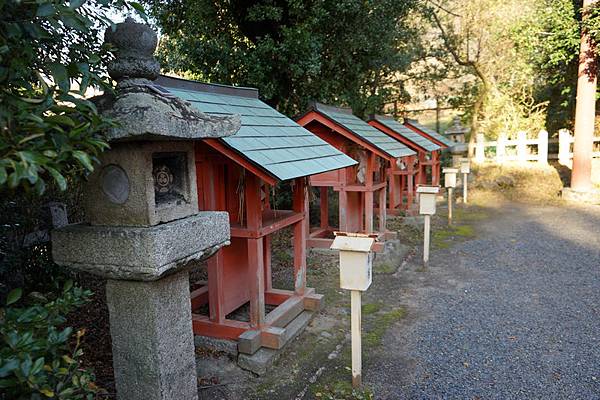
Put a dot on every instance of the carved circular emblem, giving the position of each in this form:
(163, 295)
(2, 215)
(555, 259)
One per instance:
(115, 183)
(163, 179)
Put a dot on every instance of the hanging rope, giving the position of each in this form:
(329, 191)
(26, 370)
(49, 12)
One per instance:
(241, 193)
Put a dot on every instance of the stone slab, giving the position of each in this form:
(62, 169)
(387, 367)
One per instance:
(140, 253)
(152, 339)
(229, 347)
(263, 359)
(586, 197)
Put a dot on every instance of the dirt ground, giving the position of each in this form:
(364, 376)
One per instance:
(317, 364)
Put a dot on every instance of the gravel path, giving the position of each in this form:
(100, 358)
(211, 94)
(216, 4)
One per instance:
(512, 314)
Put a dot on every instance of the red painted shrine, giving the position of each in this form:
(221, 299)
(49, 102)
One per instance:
(361, 188)
(403, 181)
(431, 135)
(237, 175)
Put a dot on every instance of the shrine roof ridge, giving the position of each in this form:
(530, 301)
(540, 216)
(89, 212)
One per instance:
(216, 88)
(430, 132)
(356, 126)
(392, 124)
(267, 138)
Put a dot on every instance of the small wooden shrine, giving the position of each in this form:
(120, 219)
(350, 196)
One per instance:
(407, 178)
(433, 136)
(237, 174)
(361, 188)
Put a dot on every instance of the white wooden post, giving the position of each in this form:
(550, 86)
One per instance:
(543, 147)
(465, 180)
(356, 275)
(564, 147)
(427, 233)
(480, 149)
(427, 202)
(522, 146)
(450, 206)
(501, 148)
(355, 312)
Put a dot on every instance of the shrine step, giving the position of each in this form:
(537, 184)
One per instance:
(263, 358)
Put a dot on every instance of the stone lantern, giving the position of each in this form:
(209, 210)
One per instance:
(456, 133)
(143, 226)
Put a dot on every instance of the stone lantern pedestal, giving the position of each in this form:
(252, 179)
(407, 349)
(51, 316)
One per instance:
(143, 225)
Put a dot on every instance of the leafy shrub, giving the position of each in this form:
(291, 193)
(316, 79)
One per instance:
(39, 357)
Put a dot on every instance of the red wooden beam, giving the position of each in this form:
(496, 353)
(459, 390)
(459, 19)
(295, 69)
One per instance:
(233, 155)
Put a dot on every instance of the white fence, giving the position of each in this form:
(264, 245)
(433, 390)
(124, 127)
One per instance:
(523, 149)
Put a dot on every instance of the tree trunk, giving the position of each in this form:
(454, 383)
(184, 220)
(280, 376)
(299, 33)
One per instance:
(585, 112)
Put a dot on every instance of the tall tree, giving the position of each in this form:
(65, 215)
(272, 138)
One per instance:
(475, 37)
(346, 52)
(585, 111)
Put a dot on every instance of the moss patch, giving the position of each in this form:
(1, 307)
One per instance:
(370, 308)
(341, 390)
(442, 238)
(384, 268)
(377, 327)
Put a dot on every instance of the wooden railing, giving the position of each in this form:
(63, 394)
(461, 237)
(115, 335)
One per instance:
(523, 149)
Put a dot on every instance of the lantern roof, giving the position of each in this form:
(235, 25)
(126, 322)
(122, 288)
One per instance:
(405, 132)
(267, 138)
(140, 111)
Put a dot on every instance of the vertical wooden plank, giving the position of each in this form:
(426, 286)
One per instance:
(368, 207)
(480, 149)
(211, 193)
(450, 200)
(382, 211)
(300, 200)
(421, 168)
(501, 148)
(216, 291)
(543, 147)
(355, 311)
(435, 168)
(392, 185)
(267, 262)
(324, 200)
(257, 286)
(343, 208)
(564, 147)
(522, 146)
(410, 183)
(426, 237)
(255, 251)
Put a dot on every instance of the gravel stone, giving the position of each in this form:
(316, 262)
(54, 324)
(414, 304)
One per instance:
(512, 314)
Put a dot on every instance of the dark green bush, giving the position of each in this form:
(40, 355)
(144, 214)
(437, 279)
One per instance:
(39, 357)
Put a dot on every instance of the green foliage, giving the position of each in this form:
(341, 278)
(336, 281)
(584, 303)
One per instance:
(343, 52)
(48, 131)
(39, 357)
(549, 42)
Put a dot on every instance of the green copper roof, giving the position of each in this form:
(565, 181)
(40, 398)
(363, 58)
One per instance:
(429, 132)
(407, 133)
(360, 128)
(267, 138)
